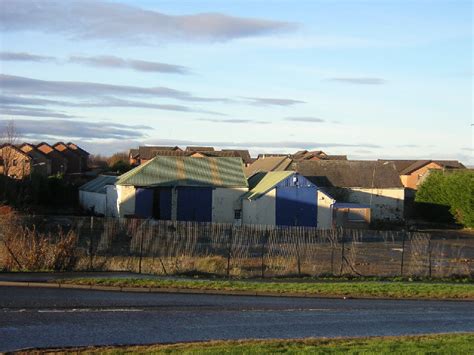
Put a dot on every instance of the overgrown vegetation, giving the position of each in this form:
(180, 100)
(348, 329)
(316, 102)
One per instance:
(419, 344)
(323, 289)
(25, 249)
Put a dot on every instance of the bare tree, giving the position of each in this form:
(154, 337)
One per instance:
(8, 138)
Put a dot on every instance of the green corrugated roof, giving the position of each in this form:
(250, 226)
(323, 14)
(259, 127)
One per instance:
(187, 171)
(261, 183)
(98, 184)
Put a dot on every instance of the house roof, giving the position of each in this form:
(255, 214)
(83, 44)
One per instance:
(243, 153)
(268, 164)
(149, 152)
(98, 184)
(15, 148)
(53, 153)
(75, 147)
(199, 149)
(261, 183)
(34, 151)
(350, 173)
(406, 167)
(187, 171)
(133, 153)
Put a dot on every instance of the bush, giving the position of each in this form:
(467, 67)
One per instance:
(27, 250)
(454, 189)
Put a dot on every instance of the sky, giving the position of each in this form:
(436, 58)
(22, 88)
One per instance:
(370, 79)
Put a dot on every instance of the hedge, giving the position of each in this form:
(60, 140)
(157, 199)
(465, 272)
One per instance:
(454, 189)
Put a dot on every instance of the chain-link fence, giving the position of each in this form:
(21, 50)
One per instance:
(171, 248)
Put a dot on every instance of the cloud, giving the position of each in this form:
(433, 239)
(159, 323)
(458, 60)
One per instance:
(24, 57)
(105, 102)
(234, 120)
(360, 81)
(28, 86)
(108, 61)
(259, 144)
(31, 112)
(104, 20)
(45, 129)
(266, 101)
(304, 119)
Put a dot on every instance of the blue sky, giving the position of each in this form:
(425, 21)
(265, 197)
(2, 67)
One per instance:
(371, 79)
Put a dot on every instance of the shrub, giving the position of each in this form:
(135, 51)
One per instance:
(453, 189)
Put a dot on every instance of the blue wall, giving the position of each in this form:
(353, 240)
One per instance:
(194, 204)
(296, 202)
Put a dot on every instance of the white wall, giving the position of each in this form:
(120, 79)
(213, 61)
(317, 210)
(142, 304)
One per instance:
(224, 202)
(261, 210)
(111, 207)
(324, 210)
(92, 201)
(387, 204)
(125, 200)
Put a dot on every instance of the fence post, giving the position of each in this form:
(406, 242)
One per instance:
(229, 250)
(429, 257)
(141, 251)
(342, 253)
(264, 242)
(403, 253)
(298, 258)
(91, 241)
(333, 241)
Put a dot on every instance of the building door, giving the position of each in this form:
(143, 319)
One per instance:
(194, 204)
(296, 206)
(144, 203)
(162, 203)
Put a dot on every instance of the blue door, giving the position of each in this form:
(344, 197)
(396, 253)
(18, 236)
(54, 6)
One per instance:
(195, 204)
(296, 206)
(144, 203)
(162, 206)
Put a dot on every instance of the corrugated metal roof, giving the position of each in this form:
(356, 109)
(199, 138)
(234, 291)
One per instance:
(261, 183)
(187, 171)
(98, 184)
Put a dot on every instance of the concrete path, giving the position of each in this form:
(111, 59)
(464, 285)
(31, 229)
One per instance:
(46, 317)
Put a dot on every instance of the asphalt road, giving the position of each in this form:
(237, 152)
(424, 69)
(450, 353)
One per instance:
(35, 317)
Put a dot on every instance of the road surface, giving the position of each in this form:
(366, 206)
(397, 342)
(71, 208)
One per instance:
(36, 317)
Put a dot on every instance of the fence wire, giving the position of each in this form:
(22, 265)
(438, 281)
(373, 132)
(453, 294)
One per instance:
(171, 248)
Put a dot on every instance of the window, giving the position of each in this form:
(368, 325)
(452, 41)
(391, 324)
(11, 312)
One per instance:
(237, 214)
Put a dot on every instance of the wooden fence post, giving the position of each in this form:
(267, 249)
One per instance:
(429, 257)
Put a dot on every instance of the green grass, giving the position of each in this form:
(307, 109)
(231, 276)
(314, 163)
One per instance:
(423, 344)
(369, 289)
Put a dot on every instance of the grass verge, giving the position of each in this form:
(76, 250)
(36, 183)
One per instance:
(422, 344)
(369, 289)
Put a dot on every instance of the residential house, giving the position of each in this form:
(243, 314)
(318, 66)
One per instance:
(315, 155)
(199, 149)
(282, 198)
(74, 159)
(14, 162)
(82, 153)
(58, 160)
(412, 172)
(133, 157)
(243, 153)
(93, 195)
(146, 153)
(372, 183)
(40, 161)
(265, 164)
(182, 188)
